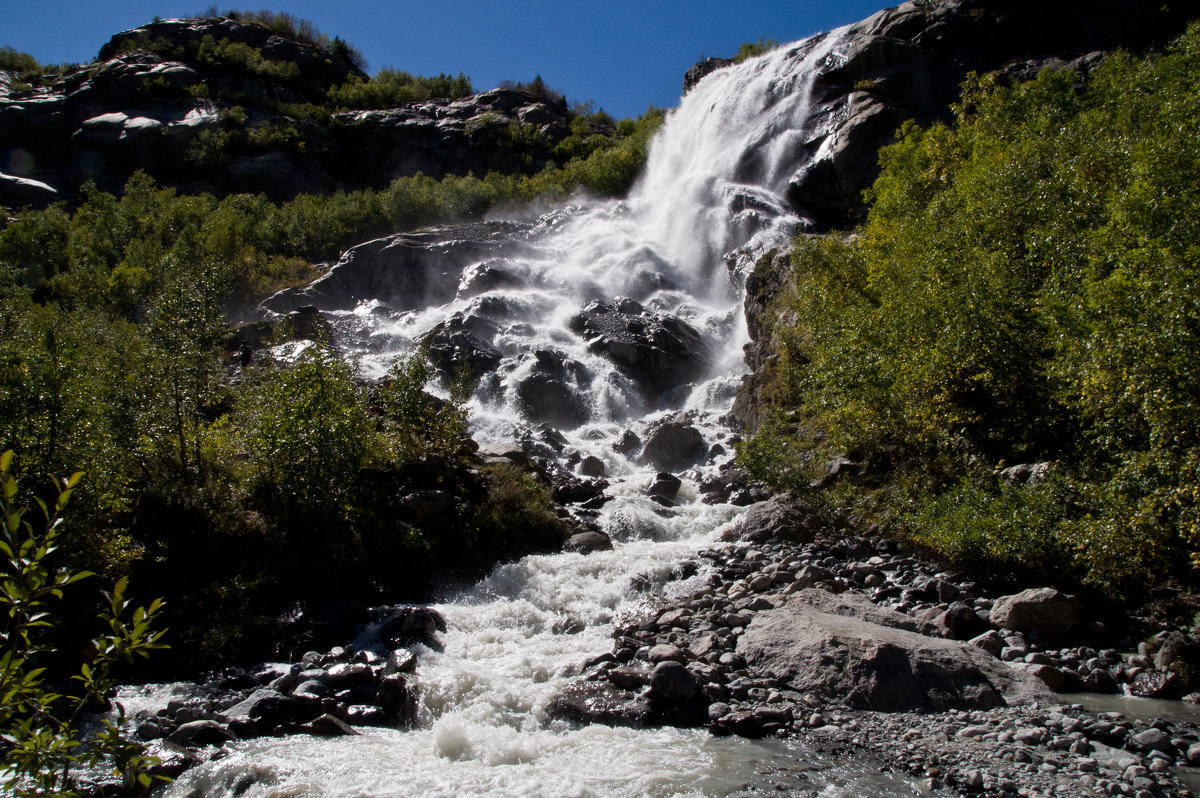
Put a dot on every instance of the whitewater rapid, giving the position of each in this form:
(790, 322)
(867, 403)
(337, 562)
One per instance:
(711, 200)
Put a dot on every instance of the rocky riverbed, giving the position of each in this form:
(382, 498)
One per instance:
(852, 646)
(846, 644)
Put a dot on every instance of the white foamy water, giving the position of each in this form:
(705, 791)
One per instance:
(709, 202)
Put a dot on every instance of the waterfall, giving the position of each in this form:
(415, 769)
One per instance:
(710, 201)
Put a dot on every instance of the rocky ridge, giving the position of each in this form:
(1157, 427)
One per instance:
(908, 62)
(155, 98)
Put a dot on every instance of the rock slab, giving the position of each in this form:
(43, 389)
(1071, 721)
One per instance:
(844, 649)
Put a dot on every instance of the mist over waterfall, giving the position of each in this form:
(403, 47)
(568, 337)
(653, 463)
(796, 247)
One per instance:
(594, 320)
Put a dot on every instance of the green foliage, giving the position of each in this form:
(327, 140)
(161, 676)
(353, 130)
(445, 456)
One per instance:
(41, 725)
(242, 57)
(749, 50)
(1025, 288)
(23, 64)
(390, 87)
(417, 424)
(284, 24)
(307, 433)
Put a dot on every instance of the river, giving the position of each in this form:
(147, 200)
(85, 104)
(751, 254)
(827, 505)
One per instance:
(710, 201)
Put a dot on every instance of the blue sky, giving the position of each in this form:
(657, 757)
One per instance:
(622, 55)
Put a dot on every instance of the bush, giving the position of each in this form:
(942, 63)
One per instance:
(391, 87)
(1023, 289)
(43, 728)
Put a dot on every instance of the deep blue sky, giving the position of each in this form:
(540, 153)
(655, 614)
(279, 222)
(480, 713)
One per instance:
(622, 55)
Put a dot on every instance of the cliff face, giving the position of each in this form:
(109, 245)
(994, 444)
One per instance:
(226, 107)
(908, 62)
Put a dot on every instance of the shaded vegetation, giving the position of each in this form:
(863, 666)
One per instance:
(1025, 289)
(43, 715)
(275, 480)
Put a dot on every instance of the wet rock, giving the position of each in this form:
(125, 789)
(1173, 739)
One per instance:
(344, 676)
(628, 443)
(596, 702)
(628, 678)
(396, 697)
(568, 625)
(702, 69)
(411, 623)
(674, 445)
(657, 352)
(272, 711)
(199, 733)
(844, 649)
(588, 542)
(328, 726)
(400, 660)
(592, 466)
(1052, 613)
(1155, 684)
(674, 695)
(461, 347)
(544, 391)
(664, 485)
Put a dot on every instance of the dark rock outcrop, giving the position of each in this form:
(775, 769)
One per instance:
(908, 62)
(406, 271)
(674, 444)
(659, 353)
(544, 389)
(159, 95)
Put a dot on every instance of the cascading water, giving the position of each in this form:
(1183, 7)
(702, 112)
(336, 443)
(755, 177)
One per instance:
(710, 200)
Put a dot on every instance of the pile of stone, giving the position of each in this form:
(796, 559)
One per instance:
(324, 694)
(850, 644)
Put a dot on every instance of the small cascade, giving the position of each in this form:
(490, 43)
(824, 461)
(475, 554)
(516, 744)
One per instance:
(599, 318)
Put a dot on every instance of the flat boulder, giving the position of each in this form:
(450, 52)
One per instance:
(588, 542)
(1043, 608)
(844, 649)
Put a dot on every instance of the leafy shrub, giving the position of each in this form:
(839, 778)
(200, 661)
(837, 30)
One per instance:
(307, 434)
(1022, 289)
(44, 729)
(390, 87)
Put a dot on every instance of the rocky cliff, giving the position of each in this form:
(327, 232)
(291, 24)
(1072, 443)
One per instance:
(223, 106)
(908, 62)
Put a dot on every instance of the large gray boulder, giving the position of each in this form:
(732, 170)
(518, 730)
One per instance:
(1045, 609)
(843, 649)
(780, 518)
(406, 271)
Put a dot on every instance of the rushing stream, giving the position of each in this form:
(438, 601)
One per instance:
(679, 245)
